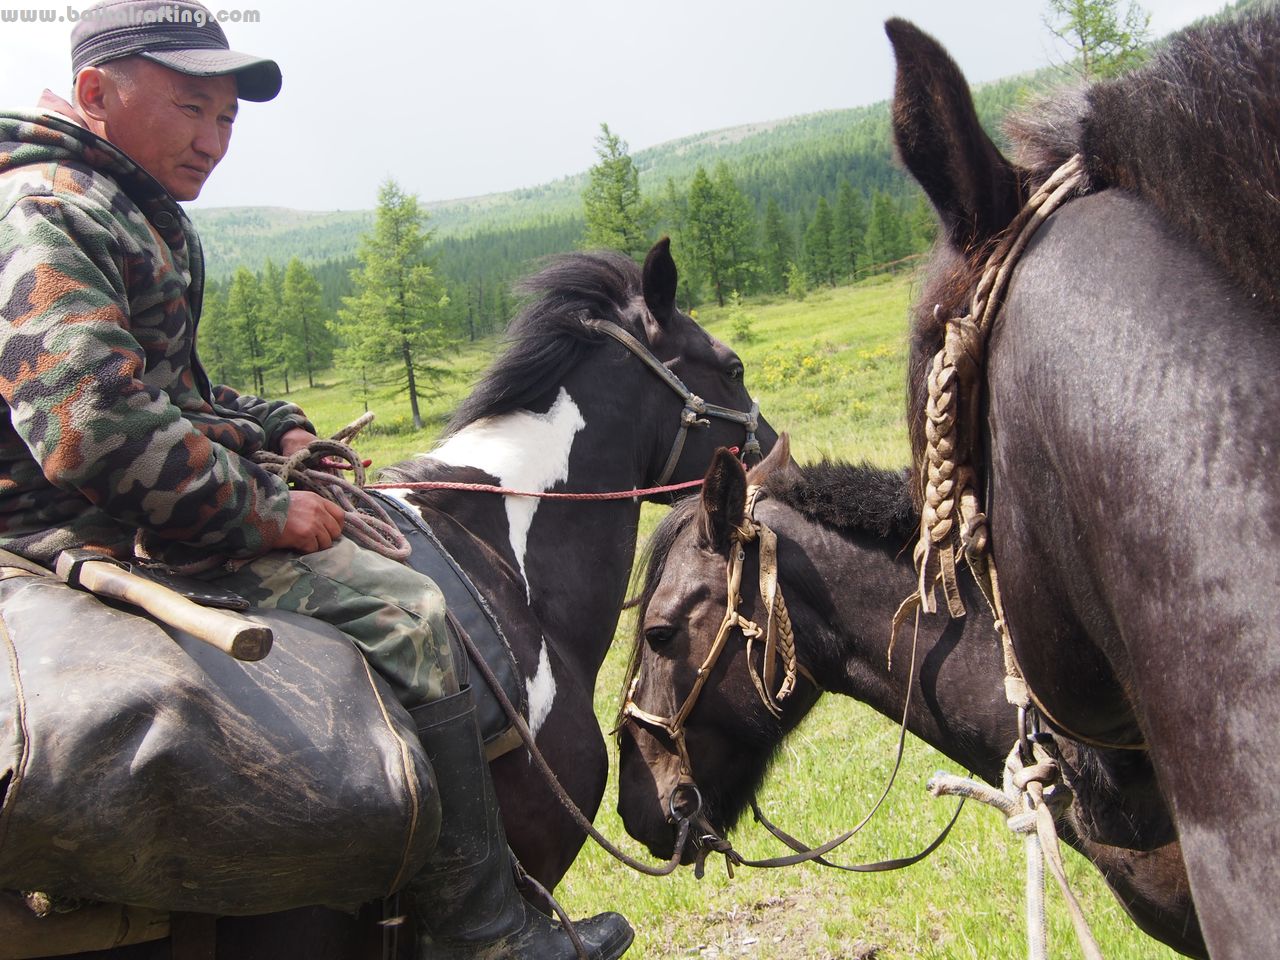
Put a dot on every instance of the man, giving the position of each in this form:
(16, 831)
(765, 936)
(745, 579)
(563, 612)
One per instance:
(113, 430)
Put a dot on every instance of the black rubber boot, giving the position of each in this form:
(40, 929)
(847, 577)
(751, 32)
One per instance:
(465, 898)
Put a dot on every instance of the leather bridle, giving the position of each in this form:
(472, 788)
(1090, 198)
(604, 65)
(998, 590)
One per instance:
(779, 648)
(696, 410)
(779, 644)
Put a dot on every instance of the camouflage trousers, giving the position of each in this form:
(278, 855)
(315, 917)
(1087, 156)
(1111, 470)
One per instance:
(395, 615)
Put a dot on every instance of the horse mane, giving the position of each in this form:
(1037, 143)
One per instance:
(547, 338)
(1192, 132)
(850, 498)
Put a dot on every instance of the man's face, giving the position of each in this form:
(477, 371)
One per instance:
(175, 127)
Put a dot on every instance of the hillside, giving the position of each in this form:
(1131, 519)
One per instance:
(795, 160)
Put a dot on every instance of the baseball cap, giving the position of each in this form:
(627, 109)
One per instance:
(179, 34)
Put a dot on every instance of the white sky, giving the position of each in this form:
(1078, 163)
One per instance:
(468, 97)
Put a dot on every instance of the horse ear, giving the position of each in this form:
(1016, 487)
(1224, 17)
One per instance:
(659, 281)
(778, 461)
(975, 190)
(724, 500)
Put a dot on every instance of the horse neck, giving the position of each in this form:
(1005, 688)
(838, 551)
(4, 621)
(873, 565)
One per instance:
(571, 559)
(843, 623)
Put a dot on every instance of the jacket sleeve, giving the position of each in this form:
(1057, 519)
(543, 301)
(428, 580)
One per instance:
(277, 417)
(70, 373)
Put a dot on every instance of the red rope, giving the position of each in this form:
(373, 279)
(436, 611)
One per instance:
(507, 491)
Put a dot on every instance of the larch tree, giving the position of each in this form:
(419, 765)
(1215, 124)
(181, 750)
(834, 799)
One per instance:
(779, 248)
(1104, 38)
(721, 228)
(245, 316)
(848, 231)
(819, 263)
(270, 297)
(397, 312)
(612, 206)
(219, 351)
(887, 236)
(308, 341)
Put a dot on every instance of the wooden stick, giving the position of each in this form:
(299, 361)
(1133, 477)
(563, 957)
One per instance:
(231, 634)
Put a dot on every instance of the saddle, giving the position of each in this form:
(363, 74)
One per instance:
(470, 618)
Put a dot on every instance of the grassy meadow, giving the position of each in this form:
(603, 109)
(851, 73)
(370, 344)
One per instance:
(830, 370)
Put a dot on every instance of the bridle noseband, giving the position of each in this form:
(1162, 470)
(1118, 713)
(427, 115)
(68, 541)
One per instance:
(696, 410)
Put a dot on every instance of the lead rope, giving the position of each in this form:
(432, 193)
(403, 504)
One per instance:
(952, 526)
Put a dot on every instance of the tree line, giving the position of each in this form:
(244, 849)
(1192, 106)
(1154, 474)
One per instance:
(725, 245)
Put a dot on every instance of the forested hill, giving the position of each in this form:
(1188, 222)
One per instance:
(794, 161)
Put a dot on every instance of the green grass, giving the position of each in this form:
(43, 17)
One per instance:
(829, 370)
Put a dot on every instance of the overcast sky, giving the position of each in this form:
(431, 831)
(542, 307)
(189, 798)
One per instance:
(476, 96)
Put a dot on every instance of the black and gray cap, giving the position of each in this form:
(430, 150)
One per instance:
(179, 34)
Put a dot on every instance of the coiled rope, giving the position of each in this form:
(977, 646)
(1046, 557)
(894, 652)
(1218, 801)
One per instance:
(317, 468)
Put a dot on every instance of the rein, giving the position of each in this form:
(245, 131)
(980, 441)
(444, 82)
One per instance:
(779, 647)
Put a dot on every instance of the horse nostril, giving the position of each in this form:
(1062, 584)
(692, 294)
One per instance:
(684, 807)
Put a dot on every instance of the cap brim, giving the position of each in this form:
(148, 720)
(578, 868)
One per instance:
(257, 78)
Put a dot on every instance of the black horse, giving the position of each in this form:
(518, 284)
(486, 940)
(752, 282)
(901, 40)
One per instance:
(843, 571)
(566, 408)
(1129, 431)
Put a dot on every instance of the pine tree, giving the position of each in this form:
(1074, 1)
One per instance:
(887, 240)
(1105, 40)
(611, 202)
(307, 339)
(848, 231)
(818, 255)
(779, 248)
(270, 296)
(397, 311)
(721, 230)
(244, 314)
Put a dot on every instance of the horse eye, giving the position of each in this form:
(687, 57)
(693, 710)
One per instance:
(735, 372)
(657, 636)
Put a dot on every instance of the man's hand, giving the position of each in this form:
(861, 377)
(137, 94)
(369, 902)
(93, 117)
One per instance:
(313, 523)
(294, 440)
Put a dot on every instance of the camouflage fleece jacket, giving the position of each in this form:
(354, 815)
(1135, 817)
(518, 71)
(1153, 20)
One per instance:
(109, 423)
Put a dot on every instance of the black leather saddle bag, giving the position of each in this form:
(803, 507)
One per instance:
(140, 766)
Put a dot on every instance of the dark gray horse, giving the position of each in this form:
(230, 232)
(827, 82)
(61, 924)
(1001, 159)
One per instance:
(1130, 443)
(843, 571)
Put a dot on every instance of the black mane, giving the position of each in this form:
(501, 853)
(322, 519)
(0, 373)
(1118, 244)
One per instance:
(1193, 132)
(546, 339)
(850, 498)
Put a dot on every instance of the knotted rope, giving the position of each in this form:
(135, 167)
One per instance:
(1033, 798)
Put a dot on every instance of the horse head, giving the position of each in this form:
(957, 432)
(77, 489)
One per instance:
(717, 410)
(697, 735)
